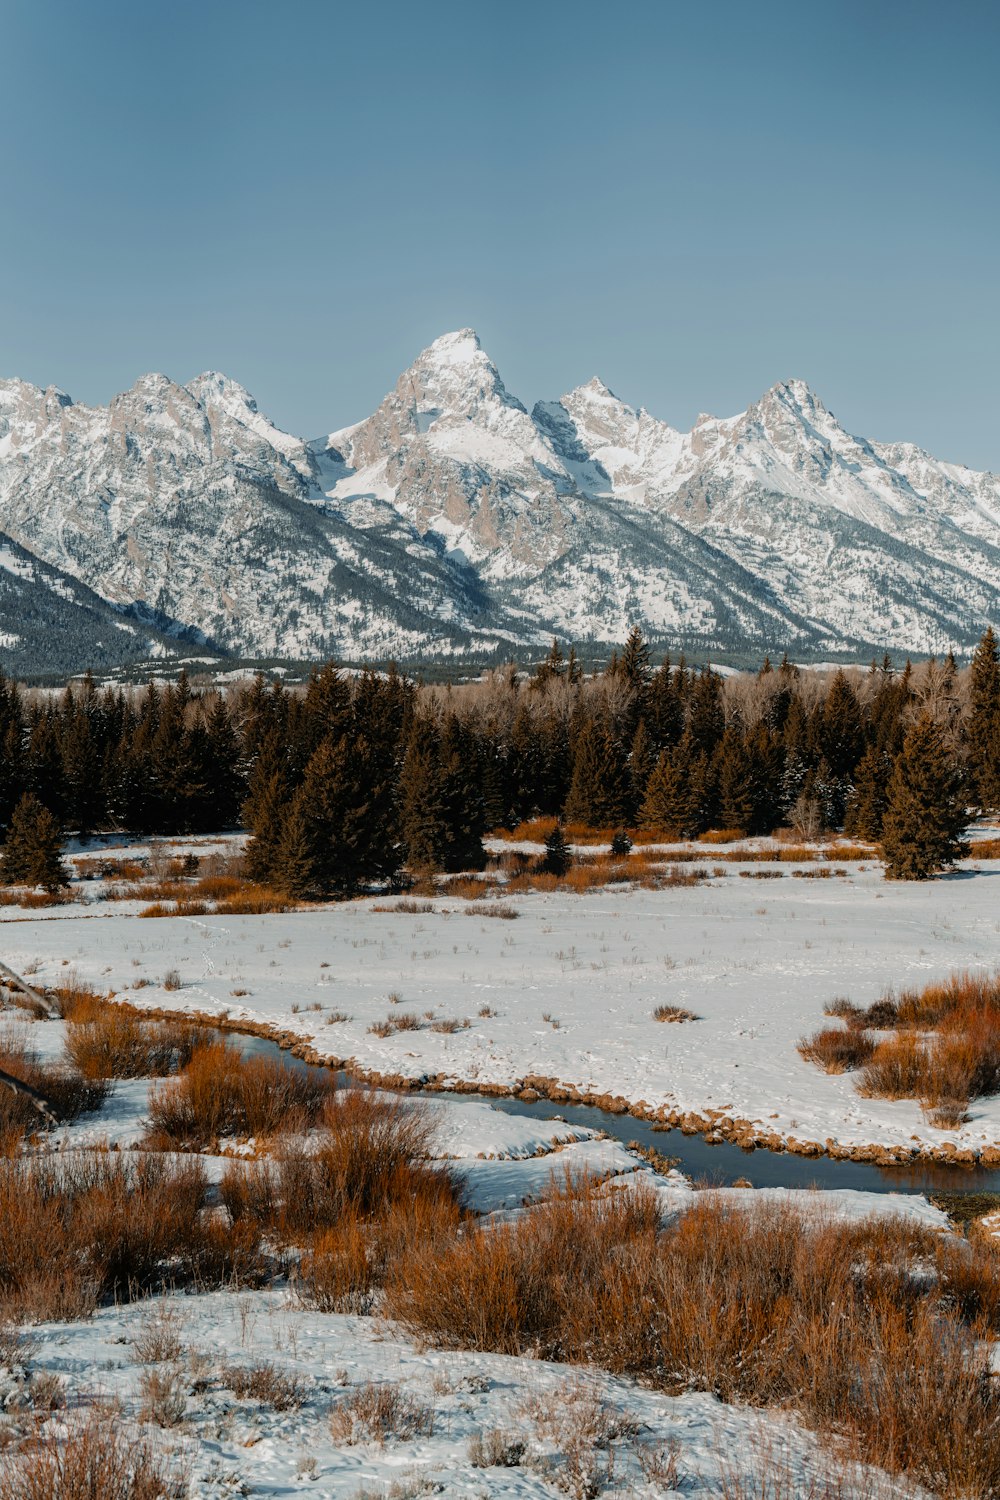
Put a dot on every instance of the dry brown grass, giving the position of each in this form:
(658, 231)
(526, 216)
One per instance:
(100, 1458)
(673, 1013)
(982, 849)
(501, 910)
(35, 900)
(222, 1093)
(945, 1050)
(67, 1093)
(255, 901)
(82, 1227)
(837, 1049)
(375, 1412)
(404, 1020)
(117, 1043)
(871, 1330)
(364, 1195)
(265, 1383)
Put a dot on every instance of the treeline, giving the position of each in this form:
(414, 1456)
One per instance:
(346, 781)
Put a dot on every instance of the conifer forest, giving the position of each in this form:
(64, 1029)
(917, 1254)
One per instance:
(359, 779)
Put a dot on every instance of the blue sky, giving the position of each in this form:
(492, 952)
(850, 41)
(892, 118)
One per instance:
(691, 200)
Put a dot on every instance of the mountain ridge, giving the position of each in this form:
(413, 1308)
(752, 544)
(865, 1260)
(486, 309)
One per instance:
(453, 522)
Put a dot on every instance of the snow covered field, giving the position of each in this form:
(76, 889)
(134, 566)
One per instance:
(669, 1446)
(567, 990)
(567, 1430)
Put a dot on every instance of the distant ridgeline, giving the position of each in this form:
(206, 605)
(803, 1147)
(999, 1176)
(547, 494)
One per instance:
(454, 524)
(351, 779)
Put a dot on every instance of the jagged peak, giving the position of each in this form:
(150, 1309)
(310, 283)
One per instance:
(794, 392)
(214, 383)
(457, 348)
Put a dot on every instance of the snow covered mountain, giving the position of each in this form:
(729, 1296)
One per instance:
(453, 521)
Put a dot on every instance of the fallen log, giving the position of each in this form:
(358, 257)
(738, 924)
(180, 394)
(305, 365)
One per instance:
(18, 983)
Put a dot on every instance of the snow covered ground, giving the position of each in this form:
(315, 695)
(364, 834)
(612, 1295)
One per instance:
(567, 990)
(672, 1446)
(574, 1426)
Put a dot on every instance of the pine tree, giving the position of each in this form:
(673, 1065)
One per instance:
(421, 800)
(983, 731)
(635, 660)
(33, 852)
(225, 788)
(732, 769)
(675, 800)
(641, 762)
(558, 856)
(926, 813)
(839, 729)
(268, 797)
(339, 832)
(599, 791)
(461, 799)
(298, 866)
(866, 806)
(706, 717)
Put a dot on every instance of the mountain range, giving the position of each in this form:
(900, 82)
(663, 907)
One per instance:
(453, 522)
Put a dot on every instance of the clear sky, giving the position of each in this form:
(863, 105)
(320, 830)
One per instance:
(691, 200)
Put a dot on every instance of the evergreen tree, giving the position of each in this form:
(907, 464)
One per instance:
(675, 797)
(641, 761)
(840, 734)
(461, 799)
(732, 770)
(299, 866)
(634, 664)
(225, 787)
(983, 731)
(558, 855)
(926, 813)
(339, 832)
(866, 806)
(268, 797)
(599, 791)
(706, 718)
(33, 852)
(421, 800)
(665, 706)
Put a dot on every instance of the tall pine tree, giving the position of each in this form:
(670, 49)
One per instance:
(926, 812)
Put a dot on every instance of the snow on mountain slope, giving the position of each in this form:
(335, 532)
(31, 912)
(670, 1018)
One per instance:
(452, 520)
(50, 622)
(186, 502)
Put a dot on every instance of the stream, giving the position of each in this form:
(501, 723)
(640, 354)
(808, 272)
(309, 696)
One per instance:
(716, 1165)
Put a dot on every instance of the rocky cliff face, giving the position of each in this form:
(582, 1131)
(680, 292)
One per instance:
(452, 520)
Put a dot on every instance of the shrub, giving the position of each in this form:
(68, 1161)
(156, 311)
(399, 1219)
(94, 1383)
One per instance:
(896, 1069)
(164, 1396)
(376, 1412)
(222, 1093)
(90, 1225)
(879, 1329)
(837, 1049)
(67, 1094)
(159, 1337)
(100, 1458)
(117, 1043)
(499, 909)
(171, 980)
(673, 1013)
(496, 1449)
(265, 1383)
